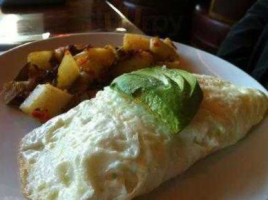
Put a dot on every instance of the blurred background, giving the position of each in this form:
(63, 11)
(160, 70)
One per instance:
(200, 23)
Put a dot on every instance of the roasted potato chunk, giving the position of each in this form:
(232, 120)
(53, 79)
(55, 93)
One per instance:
(68, 71)
(40, 58)
(92, 68)
(169, 42)
(162, 50)
(46, 98)
(77, 71)
(135, 42)
(103, 56)
(138, 60)
(81, 58)
(95, 60)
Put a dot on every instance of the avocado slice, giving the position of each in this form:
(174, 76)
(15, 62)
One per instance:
(167, 94)
(156, 92)
(193, 92)
(171, 96)
(190, 94)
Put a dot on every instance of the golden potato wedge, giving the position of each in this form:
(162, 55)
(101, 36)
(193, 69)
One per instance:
(68, 71)
(139, 60)
(40, 59)
(103, 56)
(46, 98)
(162, 50)
(135, 42)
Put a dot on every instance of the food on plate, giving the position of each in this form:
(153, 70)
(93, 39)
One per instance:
(145, 128)
(68, 71)
(132, 62)
(82, 70)
(162, 50)
(135, 42)
(173, 95)
(46, 100)
(96, 60)
(41, 59)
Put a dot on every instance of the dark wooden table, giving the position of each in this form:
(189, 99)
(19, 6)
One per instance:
(29, 23)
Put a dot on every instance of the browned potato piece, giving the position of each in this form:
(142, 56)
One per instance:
(59, 53)
(46, 98)
(92, 68)
(40, 59)
(81, 58)
(95, 60)
(68, 71)
(112, 49)
(139, 60)
(162, 50)
(135, 42)
(169, 42)
(103, 56)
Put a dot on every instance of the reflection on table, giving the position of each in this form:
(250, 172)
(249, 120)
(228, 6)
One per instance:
(23, 24)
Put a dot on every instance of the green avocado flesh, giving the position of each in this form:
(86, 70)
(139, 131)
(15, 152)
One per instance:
(171, 95)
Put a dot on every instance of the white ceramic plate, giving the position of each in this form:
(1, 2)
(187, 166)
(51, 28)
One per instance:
(238, 172)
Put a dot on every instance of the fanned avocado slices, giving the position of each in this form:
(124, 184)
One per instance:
(173, 96)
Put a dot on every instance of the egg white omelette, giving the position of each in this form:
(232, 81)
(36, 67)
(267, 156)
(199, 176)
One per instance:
(115, 148)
